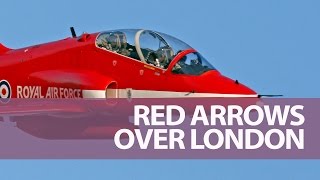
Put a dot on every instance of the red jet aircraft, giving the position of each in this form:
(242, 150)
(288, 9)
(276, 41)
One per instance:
(127, 63)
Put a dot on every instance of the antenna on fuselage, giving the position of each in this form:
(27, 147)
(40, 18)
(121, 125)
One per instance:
(73, 32)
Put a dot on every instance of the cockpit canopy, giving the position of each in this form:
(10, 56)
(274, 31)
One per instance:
(153, 48)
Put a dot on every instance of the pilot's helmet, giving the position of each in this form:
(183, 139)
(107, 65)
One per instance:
(166, 53)
(183, 59)
(113, 41)
(123, 40)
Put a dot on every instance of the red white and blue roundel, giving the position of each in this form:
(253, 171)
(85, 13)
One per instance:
(5, 91)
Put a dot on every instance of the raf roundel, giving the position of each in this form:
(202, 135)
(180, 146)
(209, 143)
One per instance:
(5, 91)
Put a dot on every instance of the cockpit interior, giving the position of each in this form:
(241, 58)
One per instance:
(154, 48)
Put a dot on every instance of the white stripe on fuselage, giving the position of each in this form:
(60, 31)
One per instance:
(132, 93)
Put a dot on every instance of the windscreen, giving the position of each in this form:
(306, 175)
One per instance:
(192, 64)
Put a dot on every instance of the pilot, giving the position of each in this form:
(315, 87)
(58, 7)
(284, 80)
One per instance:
(196, 65)
(123, 49)
(181, 67)
(152, 59)
(164, 56)
(114, 42)
(161, 60)
(104, 43)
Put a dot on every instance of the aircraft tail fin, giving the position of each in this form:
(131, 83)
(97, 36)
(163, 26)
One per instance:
(4, 49)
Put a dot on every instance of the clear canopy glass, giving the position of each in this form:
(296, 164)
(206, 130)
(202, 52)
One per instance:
(154, 48)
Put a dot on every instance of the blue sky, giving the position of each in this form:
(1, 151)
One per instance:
(271, 46)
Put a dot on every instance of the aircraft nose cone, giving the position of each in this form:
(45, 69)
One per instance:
(242, 89)
(214, 82)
